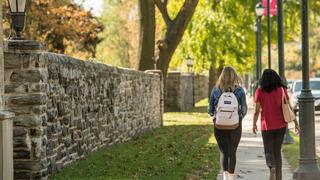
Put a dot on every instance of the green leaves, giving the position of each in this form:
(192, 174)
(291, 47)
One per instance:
(120, 36)
(222, 35)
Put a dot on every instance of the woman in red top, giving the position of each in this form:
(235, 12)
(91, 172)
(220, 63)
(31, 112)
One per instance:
(268, 99)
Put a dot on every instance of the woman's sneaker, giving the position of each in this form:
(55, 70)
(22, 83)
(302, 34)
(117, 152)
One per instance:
(231, 177)
(225, 175)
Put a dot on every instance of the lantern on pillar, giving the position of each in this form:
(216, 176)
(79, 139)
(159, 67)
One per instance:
(18, 16)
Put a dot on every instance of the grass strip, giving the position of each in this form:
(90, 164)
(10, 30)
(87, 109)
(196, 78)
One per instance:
(292, 152)
(184, 148)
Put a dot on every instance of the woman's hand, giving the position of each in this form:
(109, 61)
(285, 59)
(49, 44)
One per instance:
(254, 128)
(255, 117)
(214, 120)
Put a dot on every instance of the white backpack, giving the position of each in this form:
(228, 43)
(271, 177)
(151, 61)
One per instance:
(227, 111)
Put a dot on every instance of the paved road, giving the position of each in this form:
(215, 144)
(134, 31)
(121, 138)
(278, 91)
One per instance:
(250, 157)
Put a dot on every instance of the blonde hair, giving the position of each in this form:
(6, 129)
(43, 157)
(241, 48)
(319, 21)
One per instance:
(229, 79)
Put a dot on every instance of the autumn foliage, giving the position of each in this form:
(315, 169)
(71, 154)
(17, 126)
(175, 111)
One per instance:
(62, 26)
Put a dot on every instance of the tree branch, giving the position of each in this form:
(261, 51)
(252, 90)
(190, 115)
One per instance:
(162, 6)
(189, 5)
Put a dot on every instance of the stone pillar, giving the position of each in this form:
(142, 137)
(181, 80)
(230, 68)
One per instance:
(179, 93)
(25, 79)
(172, 96)
(158, 72)
(201, 87)
(6, 147)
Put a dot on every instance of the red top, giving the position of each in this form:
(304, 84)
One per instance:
(271, 105)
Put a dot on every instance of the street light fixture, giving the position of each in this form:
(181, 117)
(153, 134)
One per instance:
(259, 9)
(18, 15)
(189, 62)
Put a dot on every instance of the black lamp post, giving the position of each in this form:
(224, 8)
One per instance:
(308, 168)
(257, 28)
(280, 39)
(18, 16)
(287, 138)
(269, 34)
(189, 62)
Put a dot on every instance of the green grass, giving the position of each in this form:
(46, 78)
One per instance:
(292, 152)
(184, 148)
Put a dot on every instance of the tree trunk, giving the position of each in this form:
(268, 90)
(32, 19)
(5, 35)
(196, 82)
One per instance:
(174, 34)
(214, 75)
(147, 35)
(212, 80)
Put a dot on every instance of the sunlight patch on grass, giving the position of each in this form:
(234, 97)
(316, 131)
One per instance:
(197, 115)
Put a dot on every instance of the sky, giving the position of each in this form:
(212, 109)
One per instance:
(95, 5)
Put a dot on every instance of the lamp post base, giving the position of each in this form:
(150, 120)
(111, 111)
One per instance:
(307, 170)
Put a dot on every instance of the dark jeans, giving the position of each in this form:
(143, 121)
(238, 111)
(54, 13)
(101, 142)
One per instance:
(228, 141)
(272, 141)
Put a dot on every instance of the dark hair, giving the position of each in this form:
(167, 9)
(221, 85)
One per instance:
(270, 81)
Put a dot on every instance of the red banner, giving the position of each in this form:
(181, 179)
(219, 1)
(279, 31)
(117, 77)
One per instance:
(273, 7)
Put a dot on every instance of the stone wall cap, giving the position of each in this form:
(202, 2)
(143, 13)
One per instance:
(174, 72)
(158, 72)
(23, 45)
(6, 115)
(187, 74)
(67, 60)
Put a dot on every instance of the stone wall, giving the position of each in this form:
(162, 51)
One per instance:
(179, 92)
(201, 83)
(66, 108)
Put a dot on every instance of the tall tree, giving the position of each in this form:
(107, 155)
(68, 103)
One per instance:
(174, 31)
(175, 28)
(220, 33)
(147, 35)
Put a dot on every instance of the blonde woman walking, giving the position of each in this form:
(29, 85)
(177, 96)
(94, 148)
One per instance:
(228, 107)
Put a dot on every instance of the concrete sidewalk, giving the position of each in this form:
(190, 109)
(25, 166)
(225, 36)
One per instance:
(250, 155)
